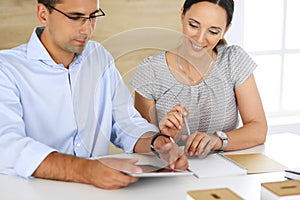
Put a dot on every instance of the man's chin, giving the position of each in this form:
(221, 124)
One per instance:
(78, 49)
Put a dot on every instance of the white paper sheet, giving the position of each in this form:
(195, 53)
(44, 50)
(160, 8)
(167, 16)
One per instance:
(215, 165)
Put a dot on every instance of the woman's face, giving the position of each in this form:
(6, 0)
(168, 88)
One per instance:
(204, 24)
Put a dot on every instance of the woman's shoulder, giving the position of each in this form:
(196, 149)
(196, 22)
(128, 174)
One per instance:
(231, 53)
(157, 58)
(154, 62)
(229, 49)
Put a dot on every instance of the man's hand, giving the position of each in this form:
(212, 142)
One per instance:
(171, 153)
(103, 173)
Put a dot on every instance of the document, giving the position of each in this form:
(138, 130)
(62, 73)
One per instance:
(215, 165)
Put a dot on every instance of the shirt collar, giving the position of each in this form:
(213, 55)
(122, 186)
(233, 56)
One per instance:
(37, 51)
(35, 48)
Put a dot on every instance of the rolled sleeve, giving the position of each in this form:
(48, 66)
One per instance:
(126, 139)
(31, 157)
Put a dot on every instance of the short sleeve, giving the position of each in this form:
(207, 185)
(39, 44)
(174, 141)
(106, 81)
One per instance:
(241, 65)
(143, 80)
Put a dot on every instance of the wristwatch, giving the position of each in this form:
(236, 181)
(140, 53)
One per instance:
(153, 140)
(224, 138)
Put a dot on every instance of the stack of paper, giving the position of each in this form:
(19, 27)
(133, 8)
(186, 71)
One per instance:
(293, 173)
(211, 165)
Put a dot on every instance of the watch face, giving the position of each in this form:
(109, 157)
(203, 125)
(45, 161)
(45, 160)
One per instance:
(224, 139)
(222, 134)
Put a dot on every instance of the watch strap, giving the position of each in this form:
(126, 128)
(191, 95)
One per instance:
(153, 140)
(224, 138)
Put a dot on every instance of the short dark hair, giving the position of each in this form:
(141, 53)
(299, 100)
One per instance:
(228, 6)
(49, 2)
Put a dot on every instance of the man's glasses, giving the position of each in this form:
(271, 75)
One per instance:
(79, 20)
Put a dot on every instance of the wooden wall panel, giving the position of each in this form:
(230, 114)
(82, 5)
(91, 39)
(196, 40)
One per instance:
(18, 18)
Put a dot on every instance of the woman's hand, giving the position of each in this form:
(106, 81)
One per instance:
(172, 123)
(200, 144)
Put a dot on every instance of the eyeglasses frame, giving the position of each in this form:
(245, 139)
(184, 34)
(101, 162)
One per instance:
(78, 17)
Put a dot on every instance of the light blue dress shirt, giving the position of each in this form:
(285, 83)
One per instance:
(45, 107)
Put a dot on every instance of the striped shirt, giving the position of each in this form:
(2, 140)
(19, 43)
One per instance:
(212, 104)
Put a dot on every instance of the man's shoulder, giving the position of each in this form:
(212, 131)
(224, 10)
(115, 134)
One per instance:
(15, 52)
(13, 55)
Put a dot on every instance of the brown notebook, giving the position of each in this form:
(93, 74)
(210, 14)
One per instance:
(256, 163)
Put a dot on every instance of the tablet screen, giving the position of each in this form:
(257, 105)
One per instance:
(154, 171)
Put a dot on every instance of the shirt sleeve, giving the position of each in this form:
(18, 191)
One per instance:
(128, 124)
(241, 65)
(20, 155)
(143, 81)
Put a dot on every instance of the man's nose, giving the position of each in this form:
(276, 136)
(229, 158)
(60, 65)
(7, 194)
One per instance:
(87, 27)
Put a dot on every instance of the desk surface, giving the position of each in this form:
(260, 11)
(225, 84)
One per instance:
(277, 147)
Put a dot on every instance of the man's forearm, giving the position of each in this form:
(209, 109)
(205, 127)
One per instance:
(143, 143)
(62, 167)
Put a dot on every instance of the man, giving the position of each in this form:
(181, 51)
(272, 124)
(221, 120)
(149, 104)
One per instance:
(62, 101)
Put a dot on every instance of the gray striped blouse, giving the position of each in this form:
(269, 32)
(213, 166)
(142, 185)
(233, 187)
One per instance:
(212, 104)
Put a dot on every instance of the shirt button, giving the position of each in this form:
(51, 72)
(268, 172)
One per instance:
(78, 145)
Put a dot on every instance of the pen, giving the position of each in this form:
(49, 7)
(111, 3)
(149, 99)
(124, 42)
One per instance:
(194, 174)
(186, 125)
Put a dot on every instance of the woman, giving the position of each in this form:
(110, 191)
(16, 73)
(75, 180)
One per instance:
(212, 97)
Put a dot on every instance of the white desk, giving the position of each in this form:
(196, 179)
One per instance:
(283, 148)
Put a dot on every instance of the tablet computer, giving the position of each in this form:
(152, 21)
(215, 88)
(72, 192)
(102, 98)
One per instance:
(154, 171)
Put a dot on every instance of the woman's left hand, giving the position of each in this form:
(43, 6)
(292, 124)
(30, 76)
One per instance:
(200, 144)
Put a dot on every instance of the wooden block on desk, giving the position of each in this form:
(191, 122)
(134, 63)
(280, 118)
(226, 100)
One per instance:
(283, 190)
(213, 194)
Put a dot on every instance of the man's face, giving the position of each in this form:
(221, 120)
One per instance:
(67, 35)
